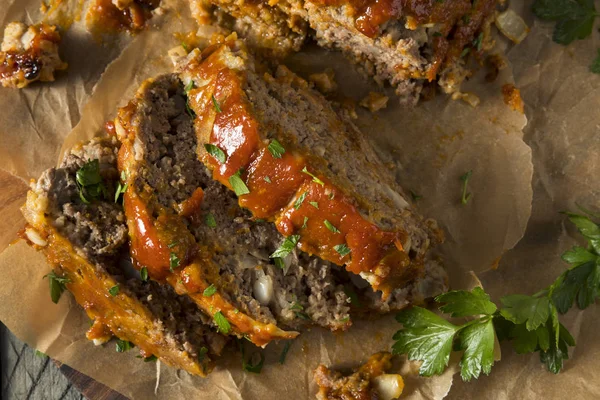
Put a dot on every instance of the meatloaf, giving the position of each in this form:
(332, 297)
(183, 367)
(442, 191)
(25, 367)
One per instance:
(405, 43)
(75, 218)
(188, 230)
(295, 160)
(29, 54)
(368, 382)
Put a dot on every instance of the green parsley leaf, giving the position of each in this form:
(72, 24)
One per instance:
(595, 66)
(477, 340)
(189, 86)
(250, 366)
(216, 103)
(581, 283)
(530, 310)
(89, 174)
(478, 42)
(223, 326)
(314, 204)
(300, 200)
(209, 291)
(342, 249)
(279, 263)
(150, 358)
(461, 303)
(123, 345)
(174, 261)
(216, 152)
(465, 52)
(114, 290)
(276, 149)
(465, 180)
(202, 353)
(553, 10)
(415, 197)
(210, 221)
(288, 245)
(578, 255)
(238, 185)
(569, 30)
(121, 189)
(173, 244)
(144, 274)
(315, 179)
(425, 337)
(267, 179)
(305, 222)
(284, 352)
(40, 354)
(554, 356)
(575, 19)
(57, 285)
(330, 226)
(526, 341)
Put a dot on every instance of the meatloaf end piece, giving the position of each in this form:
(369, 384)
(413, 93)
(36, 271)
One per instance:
(29, 54)
(73, 219)
(112, 16)
(295, 160)
(270, 30)
(205, 245)
(368, 382)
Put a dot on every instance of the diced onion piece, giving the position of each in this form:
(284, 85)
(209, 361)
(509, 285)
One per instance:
(388, 386)
(512, 25)
(263, 288)
(101, 341)
(35, 237)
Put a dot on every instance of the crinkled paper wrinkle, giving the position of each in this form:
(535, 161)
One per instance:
(431, 147)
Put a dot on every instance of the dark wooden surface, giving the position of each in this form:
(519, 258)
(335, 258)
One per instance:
(23, 373)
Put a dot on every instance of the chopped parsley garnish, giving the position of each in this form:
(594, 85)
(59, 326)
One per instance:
(210, 220)
(276, 149)
(173, 261)
(478, 42)
(121, 188)
(331, 196)
(189, 110)
(267, 179)
(288, 245)
(351, 293)
(238, 185)
(530, 323)
(250, 366)
(202, 353)
(216, 103)
(173, 244)
(284, 352)
(57, 285)
(151, 358)
(209, 291)
(330, 226)
(223, 325)
(298, 310)
(279, 263)
(415, 197)
(300, 200)
(40, 354)
(144, 274)
(315, 179)
(216, 152)
(465, 180)
(185, 47)
(465, 52)
(342, 249)
(123, 345)
(314, 204)
(304, 223)
(114, 290)
(345, 319)
(89, 182)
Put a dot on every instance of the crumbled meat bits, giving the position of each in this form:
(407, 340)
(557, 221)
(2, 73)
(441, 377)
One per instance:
(29, 54)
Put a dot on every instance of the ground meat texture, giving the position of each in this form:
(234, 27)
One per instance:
(153, 316)
(306, 291)
(401, 43)
(29, 54)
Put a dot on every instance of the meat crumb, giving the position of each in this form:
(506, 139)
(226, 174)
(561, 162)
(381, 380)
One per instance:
(374, 101)
(512, 98)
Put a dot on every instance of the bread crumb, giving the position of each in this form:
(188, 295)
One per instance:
(324, 81)
(374, 101)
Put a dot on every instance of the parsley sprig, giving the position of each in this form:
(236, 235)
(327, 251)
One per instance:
(574, 21)
(530, 323)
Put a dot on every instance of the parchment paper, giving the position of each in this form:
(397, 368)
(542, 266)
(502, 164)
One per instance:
(431, 147)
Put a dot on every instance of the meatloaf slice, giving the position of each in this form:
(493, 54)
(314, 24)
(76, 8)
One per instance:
(404, 43)
(294, 159)
(74, 220)
(29, 54)
(188, 229)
